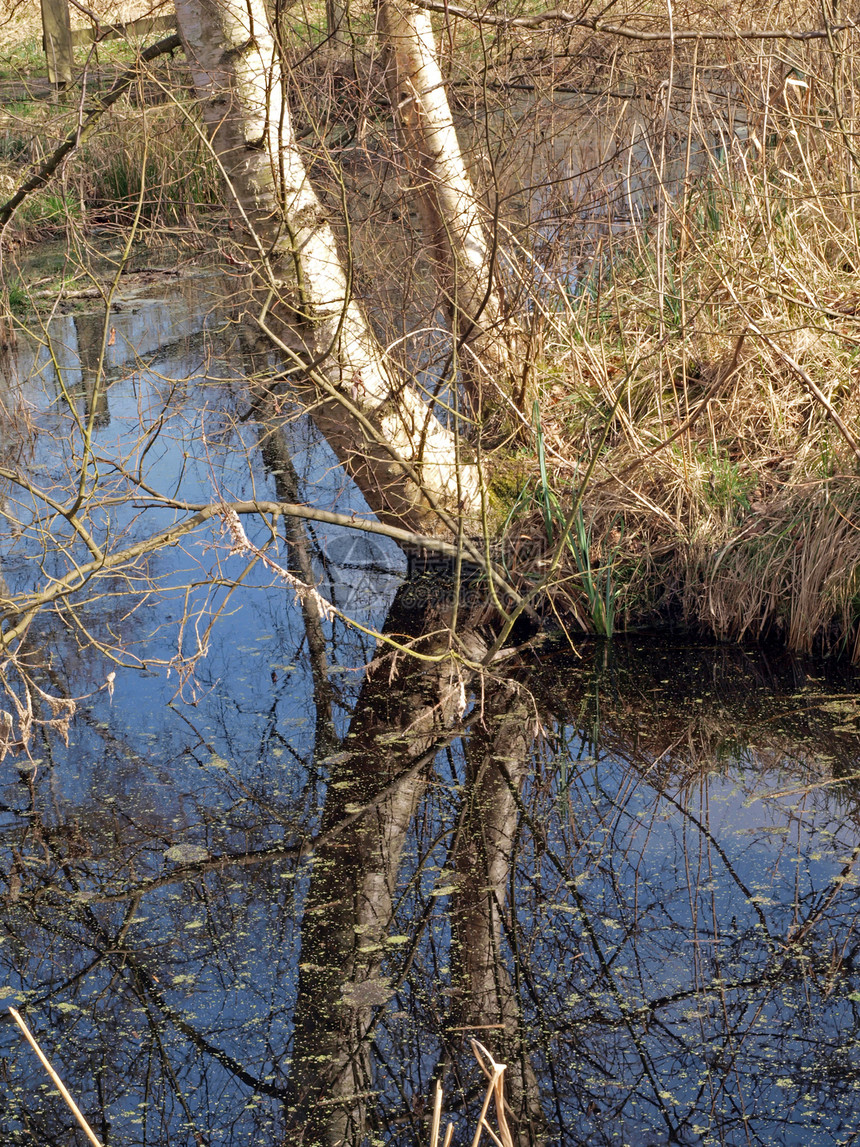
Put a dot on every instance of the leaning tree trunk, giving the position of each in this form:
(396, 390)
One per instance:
(494, 364)
(400, 455)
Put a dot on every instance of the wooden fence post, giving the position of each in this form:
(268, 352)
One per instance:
(57, 29)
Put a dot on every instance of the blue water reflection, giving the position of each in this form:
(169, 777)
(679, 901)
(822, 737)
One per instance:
(672, 917)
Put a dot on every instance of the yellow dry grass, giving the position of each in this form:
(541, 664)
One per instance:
(701, 336)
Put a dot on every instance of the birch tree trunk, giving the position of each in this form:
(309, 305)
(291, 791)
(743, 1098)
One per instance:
(494, 367)
(402, 458)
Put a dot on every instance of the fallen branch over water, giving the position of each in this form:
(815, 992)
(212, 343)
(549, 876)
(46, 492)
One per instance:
(75, 579)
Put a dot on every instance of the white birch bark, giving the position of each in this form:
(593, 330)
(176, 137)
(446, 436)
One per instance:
(403, 459)
(451, 216)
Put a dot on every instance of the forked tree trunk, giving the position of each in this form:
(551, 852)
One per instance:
(400, 455)
(451, 216)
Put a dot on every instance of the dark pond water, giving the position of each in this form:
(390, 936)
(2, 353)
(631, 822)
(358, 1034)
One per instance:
(270, 888)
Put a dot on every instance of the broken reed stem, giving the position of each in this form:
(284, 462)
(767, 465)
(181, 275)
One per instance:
(437, 1114)
(73, 1107)
(495, 1090)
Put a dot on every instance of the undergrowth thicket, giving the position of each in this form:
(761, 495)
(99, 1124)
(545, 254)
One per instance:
(148, 149)
(702, 340)
(737, 489)
(685, 253)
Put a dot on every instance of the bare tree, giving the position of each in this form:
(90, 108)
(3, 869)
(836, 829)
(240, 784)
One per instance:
(467, 255)
(405, 462)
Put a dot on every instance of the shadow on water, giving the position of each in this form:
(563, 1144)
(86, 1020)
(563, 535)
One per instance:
(271, 904)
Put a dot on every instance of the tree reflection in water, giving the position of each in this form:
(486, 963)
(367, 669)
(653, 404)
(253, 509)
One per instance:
(594, 879)
(277, 913)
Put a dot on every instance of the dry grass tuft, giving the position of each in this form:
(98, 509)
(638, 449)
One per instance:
(704, 343)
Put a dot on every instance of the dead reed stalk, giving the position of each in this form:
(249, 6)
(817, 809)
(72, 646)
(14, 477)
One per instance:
(495, 1074)
(58, 1083)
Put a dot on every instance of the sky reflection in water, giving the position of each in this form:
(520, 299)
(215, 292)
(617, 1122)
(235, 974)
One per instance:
(663, 919)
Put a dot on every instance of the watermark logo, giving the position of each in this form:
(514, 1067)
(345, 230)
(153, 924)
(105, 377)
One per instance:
(357, 572)
(435, 579)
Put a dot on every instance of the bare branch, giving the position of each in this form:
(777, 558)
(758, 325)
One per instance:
(595, 24)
